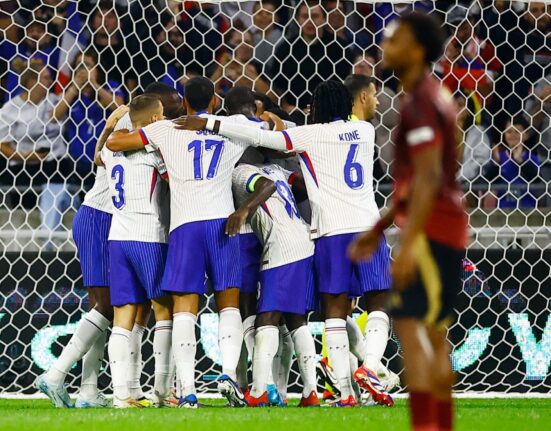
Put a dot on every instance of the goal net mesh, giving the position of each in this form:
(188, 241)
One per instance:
(496, 66)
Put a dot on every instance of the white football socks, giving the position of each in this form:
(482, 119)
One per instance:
(162, 342)
(119, 358)
(246, 351)
(355, 338)
(248, 334)
(91, 364)
(135, 362)
(88, 330)
(338, 352)
(283, 361)
(230, 339)
(184, 347)
(305, 349)
(265, 348)
(376, 338)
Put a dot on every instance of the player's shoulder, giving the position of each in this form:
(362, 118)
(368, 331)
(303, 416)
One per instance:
(124, 122)
(243, 171)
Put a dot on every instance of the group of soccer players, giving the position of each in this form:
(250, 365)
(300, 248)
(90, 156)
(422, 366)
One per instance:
(235, 227)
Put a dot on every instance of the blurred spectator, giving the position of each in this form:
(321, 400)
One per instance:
(386, 12)
(514, 165)
(336, 22)
(37, 43)
(32, 145)
(536, 25)
(469, 63)
(266, 30)
(237, 66)
(54, 12)
(300, 63)
(475, 150)
(386, 117)
(110, 44)
(83, 109)
(538, 107)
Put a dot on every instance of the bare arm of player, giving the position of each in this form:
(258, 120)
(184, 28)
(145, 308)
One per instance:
(123, 140)
(365, 245)
(110, 125)
(425, 185)
(263, 189)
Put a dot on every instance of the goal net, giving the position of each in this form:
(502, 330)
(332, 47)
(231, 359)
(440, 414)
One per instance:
(98, 54)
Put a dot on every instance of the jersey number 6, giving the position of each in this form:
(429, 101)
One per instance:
(353, 170)
(197, 148)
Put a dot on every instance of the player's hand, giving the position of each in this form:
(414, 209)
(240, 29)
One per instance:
(364, 246)
(404, 267)
(235, 221)
(190, 122)
(115, 116)
(273, 118)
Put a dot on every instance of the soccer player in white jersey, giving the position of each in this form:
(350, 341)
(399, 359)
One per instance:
(137, 251)
(337, 164)
(264, 196)
(90, 231)
(200, 166)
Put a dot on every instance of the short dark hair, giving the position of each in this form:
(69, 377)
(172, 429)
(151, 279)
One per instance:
(141, 104)
(198, 92)
(519, 120)
(266, 101)
(356, 82)
(238, 98)
(159, 89)
(331, 100)
(428, 32)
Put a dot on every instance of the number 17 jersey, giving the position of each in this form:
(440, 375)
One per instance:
(200, 166)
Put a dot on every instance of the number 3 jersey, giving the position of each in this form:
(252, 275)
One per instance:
(140, 196)
(277, 223)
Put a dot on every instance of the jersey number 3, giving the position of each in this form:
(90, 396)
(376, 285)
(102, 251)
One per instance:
(118, 175)
(209, 145)
(353, 170)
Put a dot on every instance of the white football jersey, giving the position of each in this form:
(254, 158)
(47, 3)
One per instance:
(140, 198)
(200, 166)
(277, 223)
(98, 196)
(337, 164)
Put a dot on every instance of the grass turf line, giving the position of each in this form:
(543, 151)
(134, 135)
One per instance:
(472, 414)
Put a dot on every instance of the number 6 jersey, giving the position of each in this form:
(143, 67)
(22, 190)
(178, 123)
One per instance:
(337, 164)
(140, 197)
(277, 223)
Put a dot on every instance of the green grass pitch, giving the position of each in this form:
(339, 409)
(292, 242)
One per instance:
(472, 415)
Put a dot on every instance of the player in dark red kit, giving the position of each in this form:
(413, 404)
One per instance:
(429, 210)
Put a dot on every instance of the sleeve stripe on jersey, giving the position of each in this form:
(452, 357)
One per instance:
(292, 178)
(420, 135)
(249, 186)
(308, 163)
(144, 137)
(153, 183)
(288, 141)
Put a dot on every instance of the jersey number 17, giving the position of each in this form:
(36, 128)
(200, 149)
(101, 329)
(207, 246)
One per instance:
(198, 147)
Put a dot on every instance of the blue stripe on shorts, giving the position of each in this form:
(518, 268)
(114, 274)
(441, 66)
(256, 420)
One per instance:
(136, 271)
(202, 249)
(90, 233)
(336, 274)
(287, 288)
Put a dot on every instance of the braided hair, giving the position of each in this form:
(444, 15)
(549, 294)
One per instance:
(331, 101)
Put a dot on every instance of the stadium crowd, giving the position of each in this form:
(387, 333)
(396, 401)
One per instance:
(69, 64)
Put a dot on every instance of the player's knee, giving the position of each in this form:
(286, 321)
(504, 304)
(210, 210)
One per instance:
(106, 310)
(294, 321)
(270, 318)
(376, 301)
(162, 308)
(227, 298)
